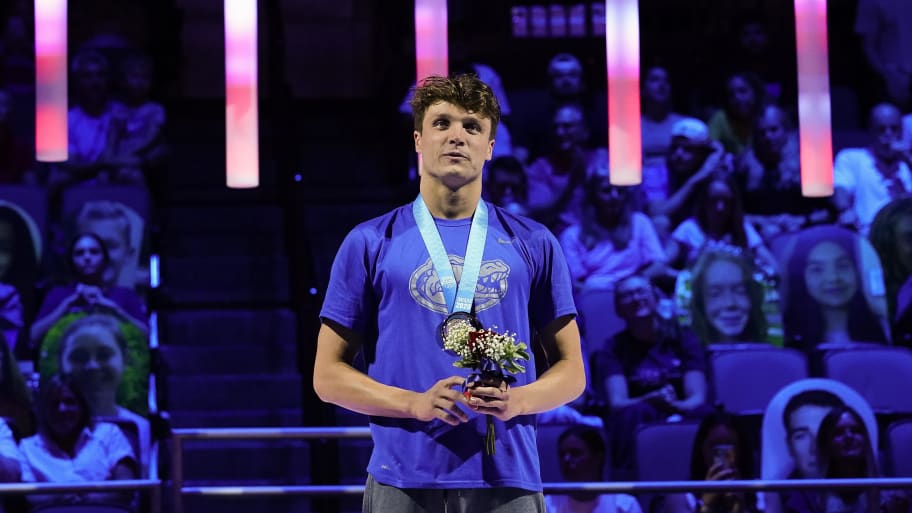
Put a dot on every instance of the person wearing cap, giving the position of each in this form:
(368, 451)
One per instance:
(692, 158)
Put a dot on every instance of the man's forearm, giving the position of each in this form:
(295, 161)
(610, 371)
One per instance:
(341, 384)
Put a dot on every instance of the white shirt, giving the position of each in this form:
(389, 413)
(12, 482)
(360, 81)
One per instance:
(607, 503)
(97, 452)
(145, 436)
(855, 172)
(689, 234)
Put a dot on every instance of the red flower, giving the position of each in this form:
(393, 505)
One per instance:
(473, 336)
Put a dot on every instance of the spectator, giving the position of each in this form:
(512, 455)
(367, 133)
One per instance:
(692, 159)
(844, 451)
(658, 118)
(15, 157)
(141, 146)
(89, 260)
(770, 176)
(651, 370)
(15, 396)
(718, 218)
(891, 236)
(733, 124)
(94, 351)
(555, 181)
(727, 301)
(18, 272)
(612, 240)
(826, 300)
(70, 447)
(121, 230)
(722, 450)
(566, 86)
(768, 58)
(95, 124)
(866, 179)
(581, 452)
(507, 186)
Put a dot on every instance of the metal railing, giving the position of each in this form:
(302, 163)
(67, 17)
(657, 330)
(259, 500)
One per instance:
(631, 487)
(153, 486)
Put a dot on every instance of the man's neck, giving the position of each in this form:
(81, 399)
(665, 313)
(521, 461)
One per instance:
(446, 203)
(656, 112)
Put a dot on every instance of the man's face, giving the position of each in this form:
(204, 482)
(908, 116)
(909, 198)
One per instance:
(453, 144)
(886, 128)
(657, 87)
(634, 299)
(93, 83)
(802, 438)
(115, 235)
(771, 134)
(566, 78)
(684, 158)
(569, 128)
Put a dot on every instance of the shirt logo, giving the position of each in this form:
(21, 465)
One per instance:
(426, 290)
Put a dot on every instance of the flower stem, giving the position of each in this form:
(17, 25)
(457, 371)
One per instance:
(490, 449)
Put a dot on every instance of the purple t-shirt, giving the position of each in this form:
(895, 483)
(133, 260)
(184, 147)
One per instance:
(122, 296)
(384, 285)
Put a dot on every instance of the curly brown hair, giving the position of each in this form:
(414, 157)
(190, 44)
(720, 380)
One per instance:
(464, 90)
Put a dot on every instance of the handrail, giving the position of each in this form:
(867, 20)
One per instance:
(630, 487)
(153, 485)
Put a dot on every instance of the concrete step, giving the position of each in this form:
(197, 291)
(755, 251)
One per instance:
(234, 392)
(254, 417)
(227, 359)
(275, 461)
(226, 279)
(220, 328)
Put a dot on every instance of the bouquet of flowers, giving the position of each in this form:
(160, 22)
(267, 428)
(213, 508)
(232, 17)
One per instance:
(489, 352)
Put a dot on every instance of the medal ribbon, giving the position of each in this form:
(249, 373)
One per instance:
(458, 299)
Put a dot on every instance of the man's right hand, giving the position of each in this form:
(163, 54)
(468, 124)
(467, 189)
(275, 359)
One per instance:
(442, 402)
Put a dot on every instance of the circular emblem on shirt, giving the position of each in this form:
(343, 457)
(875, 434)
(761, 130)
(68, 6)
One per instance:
(425, 288)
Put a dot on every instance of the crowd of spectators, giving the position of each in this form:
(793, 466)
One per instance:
(74, 326)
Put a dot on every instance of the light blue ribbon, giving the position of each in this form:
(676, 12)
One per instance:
(458, 299)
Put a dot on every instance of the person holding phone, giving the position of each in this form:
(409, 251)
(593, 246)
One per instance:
(721, 451)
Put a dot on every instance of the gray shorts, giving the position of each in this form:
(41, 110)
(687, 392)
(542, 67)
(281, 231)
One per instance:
(381, 498)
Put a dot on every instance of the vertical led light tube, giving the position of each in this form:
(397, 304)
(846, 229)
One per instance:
(431, 50)
(51, 80)
(242, 156)
(622, 50)
(814, 98)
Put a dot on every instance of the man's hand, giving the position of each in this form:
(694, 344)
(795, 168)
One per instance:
(441, 402)
(493, 401)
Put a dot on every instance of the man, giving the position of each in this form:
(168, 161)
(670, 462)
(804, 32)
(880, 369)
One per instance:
(802, 417)
(866, 179)
(389, 295)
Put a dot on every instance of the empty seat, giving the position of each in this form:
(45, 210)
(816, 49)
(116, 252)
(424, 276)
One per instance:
(882, 375)
(746, 379)
(663, 451)
(899, 442)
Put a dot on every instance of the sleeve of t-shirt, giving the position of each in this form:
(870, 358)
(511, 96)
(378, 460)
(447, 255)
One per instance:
(844, 171)
(348, 293)
(551, 295)
(692, 358)
(116, 446)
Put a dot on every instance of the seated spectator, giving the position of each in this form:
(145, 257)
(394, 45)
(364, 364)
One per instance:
(555, 181)
(506, 185)
(650, 371)
(121, 229)
(18, 272)
(95, 128)
(15, 396)
(722, 450)
(89, 261)
(15, 155)
(826, 300)
(581, 452)
(10, 471)
(718, 218)
(769, 173)
(726, 306)
(70, 447)
(110, 374)
(657, 118)
(566, 85)
(866, 179)
(845, 451)
(140, 146)
(891, 236)
(733, 124)
(693, 157)
(612, 240)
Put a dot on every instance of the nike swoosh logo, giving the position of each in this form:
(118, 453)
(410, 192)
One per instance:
(504, 241)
